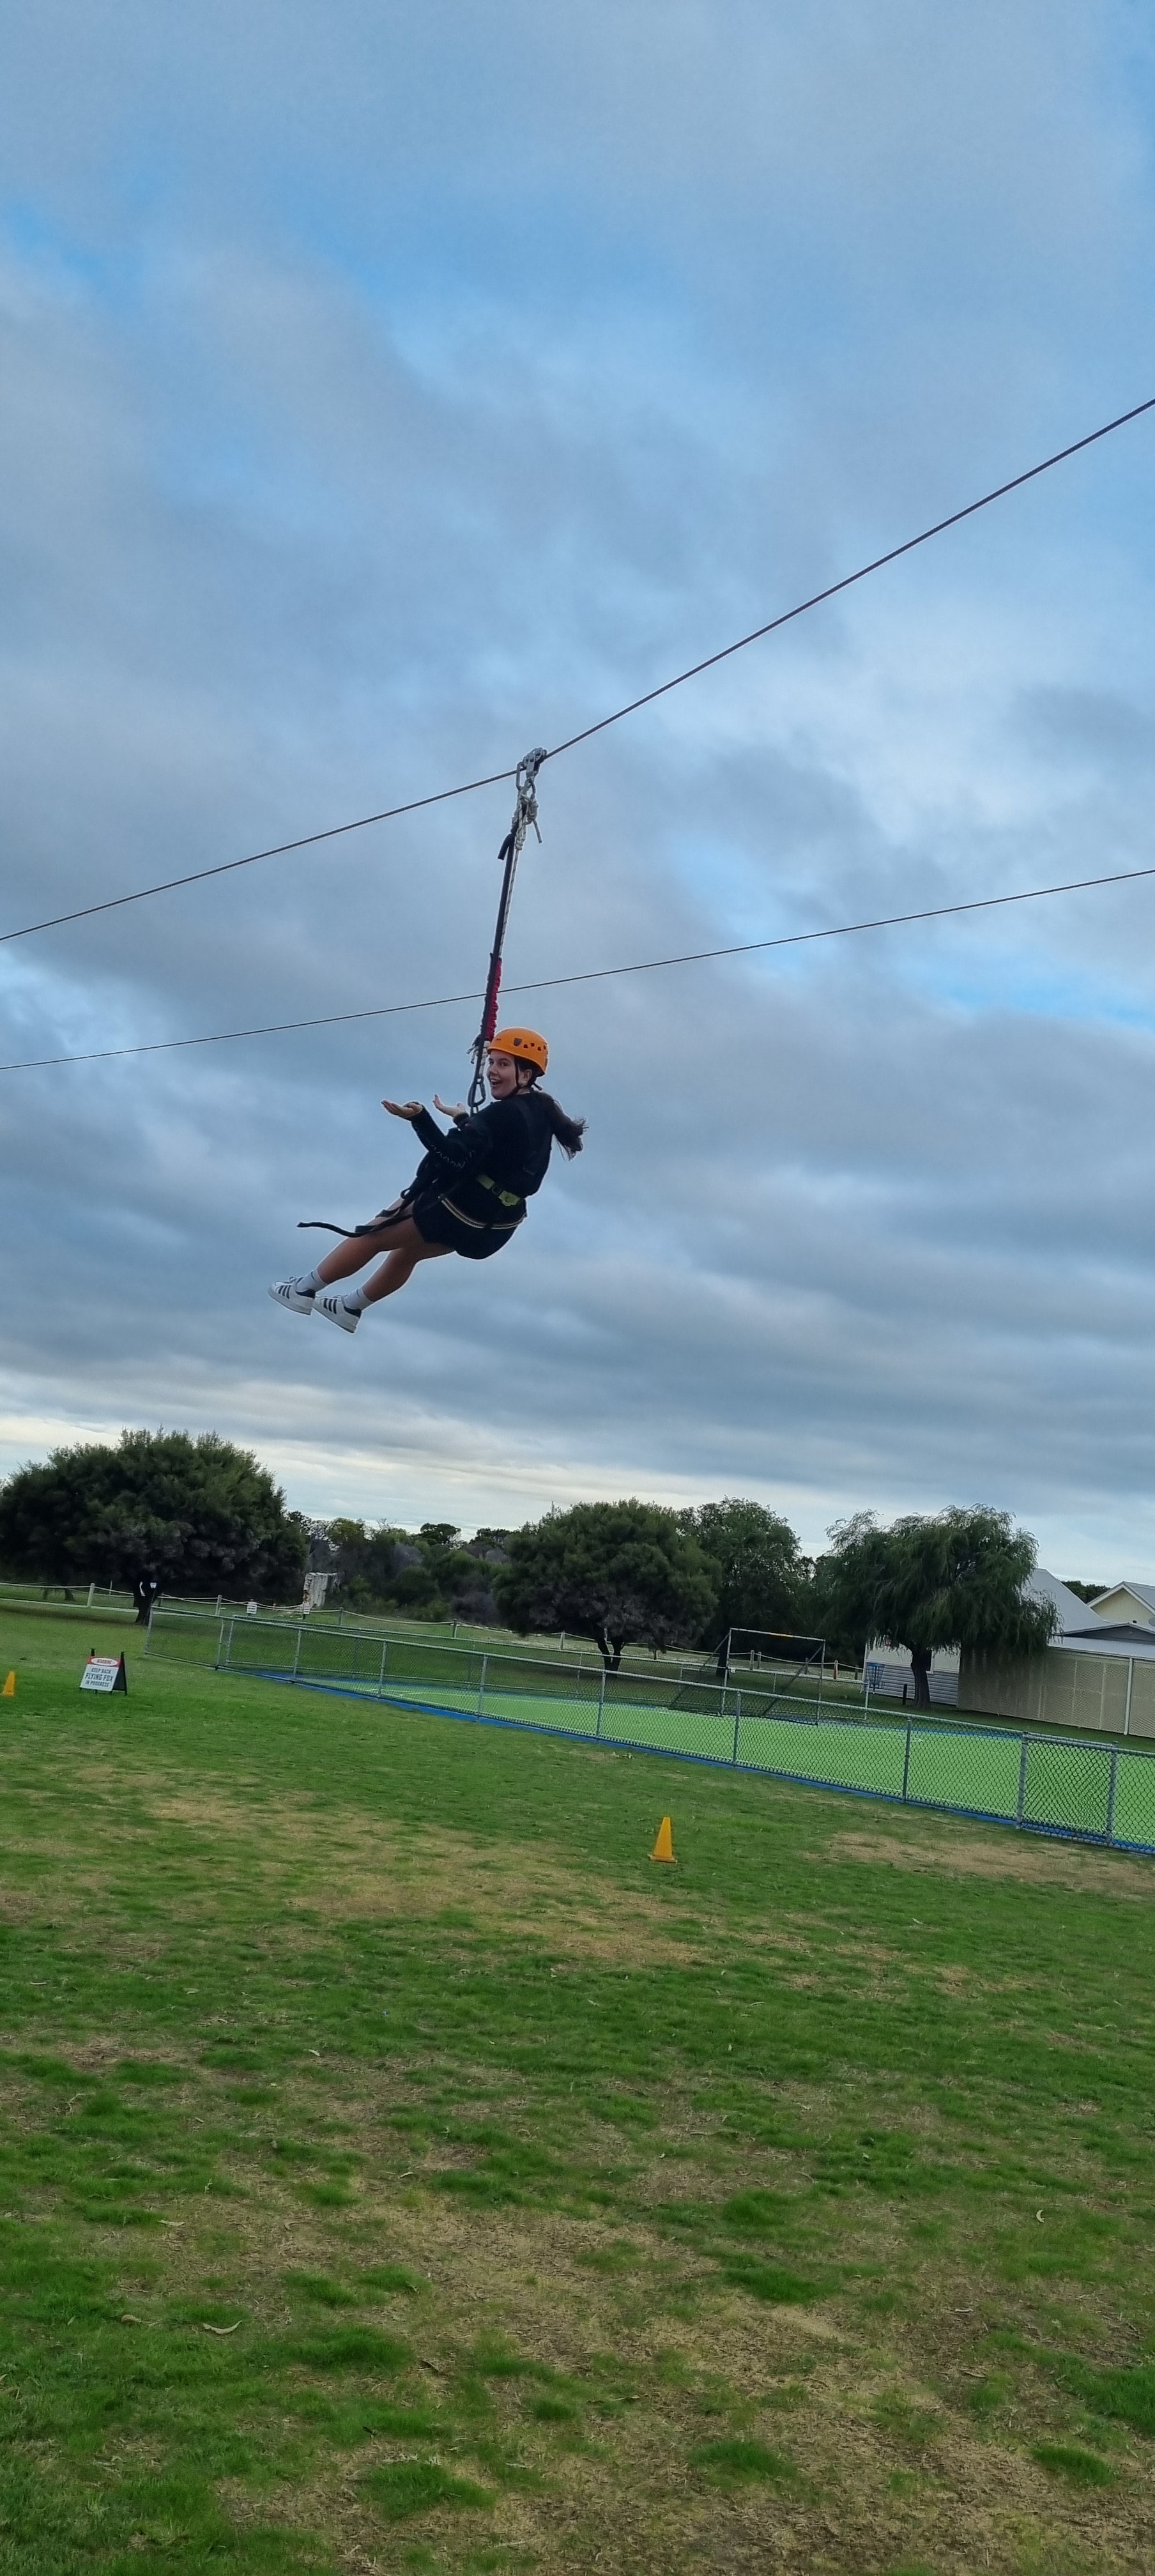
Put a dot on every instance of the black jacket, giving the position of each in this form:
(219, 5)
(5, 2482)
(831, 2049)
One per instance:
(489, 1164)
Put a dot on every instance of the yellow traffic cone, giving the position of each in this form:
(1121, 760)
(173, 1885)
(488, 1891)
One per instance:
(664, 1846)
(8, 1691)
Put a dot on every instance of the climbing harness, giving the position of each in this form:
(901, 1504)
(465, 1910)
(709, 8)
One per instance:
(524, 813)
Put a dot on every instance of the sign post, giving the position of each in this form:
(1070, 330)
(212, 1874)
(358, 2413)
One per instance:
(104, 1673)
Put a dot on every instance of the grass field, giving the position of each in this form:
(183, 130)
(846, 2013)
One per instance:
(1052, 1783)
(343, 2049)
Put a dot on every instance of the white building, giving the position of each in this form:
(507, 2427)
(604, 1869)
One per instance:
(889, 1675)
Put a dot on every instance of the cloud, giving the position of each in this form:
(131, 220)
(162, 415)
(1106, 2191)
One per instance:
(385, 395)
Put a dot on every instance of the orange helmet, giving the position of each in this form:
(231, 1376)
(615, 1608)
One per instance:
(525, 1044)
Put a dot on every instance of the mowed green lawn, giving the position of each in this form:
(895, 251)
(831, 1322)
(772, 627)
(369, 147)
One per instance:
(1063, 1786)
(401, 2171)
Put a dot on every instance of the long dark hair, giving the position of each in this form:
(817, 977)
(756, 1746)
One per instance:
(568, 1131)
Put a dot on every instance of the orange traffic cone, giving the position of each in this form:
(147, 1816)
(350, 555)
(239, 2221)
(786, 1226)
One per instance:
(8, 1688)
(664, 1846)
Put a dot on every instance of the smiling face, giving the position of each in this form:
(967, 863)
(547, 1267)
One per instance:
(503, 1072)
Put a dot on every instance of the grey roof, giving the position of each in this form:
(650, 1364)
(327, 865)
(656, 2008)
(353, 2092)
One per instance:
(1041, 1586)
(1121, 1632)
(1143, 1592)
(1081, 1633)
(1107, 1640)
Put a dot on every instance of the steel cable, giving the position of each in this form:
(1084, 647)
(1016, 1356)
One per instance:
(445, 795)
(596, 974)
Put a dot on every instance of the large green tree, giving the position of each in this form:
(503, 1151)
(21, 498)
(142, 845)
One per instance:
(159, 1509)
(952, 1578)
(760, 1572)
(621, 1573)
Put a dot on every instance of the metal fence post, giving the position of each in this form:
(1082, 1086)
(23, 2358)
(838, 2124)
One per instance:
(737, 1724)
(481, 1686)
(601, 1701)
(1130, 1688)
(297, 1653)
(906, 1764)
(229, 1644)
(1024, 1748)
(381, 1674)
(1111, 1793)
(220, 1645)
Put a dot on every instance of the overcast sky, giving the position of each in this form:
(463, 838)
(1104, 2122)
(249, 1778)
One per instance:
(385, 391)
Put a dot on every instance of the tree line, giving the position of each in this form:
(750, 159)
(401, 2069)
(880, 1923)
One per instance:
(194, 1516)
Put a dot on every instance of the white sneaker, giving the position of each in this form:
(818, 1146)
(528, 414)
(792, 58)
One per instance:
(338, 1312)
(285, 1292)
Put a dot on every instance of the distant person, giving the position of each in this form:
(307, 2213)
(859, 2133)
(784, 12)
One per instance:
(468, 1195)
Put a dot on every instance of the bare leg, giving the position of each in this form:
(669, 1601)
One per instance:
(402, 1243)
(359, 1248)
(399, 1267)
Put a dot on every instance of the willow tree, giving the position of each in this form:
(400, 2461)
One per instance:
(951, 1578)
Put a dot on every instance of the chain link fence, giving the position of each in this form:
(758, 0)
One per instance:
(1100, 1793)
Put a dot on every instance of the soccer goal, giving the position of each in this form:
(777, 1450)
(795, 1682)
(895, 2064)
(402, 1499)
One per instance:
(784, 1663)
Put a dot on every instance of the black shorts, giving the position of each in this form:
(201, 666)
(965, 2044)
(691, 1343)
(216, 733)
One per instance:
(438, 1221)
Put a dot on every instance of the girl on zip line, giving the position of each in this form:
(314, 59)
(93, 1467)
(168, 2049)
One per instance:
(468, 1194)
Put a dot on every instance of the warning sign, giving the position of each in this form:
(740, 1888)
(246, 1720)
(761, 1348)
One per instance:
(104, 1673)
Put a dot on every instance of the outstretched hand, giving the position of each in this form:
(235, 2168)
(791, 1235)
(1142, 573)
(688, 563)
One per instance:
(456, 1109)
(409, 1109)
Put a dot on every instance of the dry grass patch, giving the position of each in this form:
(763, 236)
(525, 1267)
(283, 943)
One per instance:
(335, 1865)
(1031, 1859)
